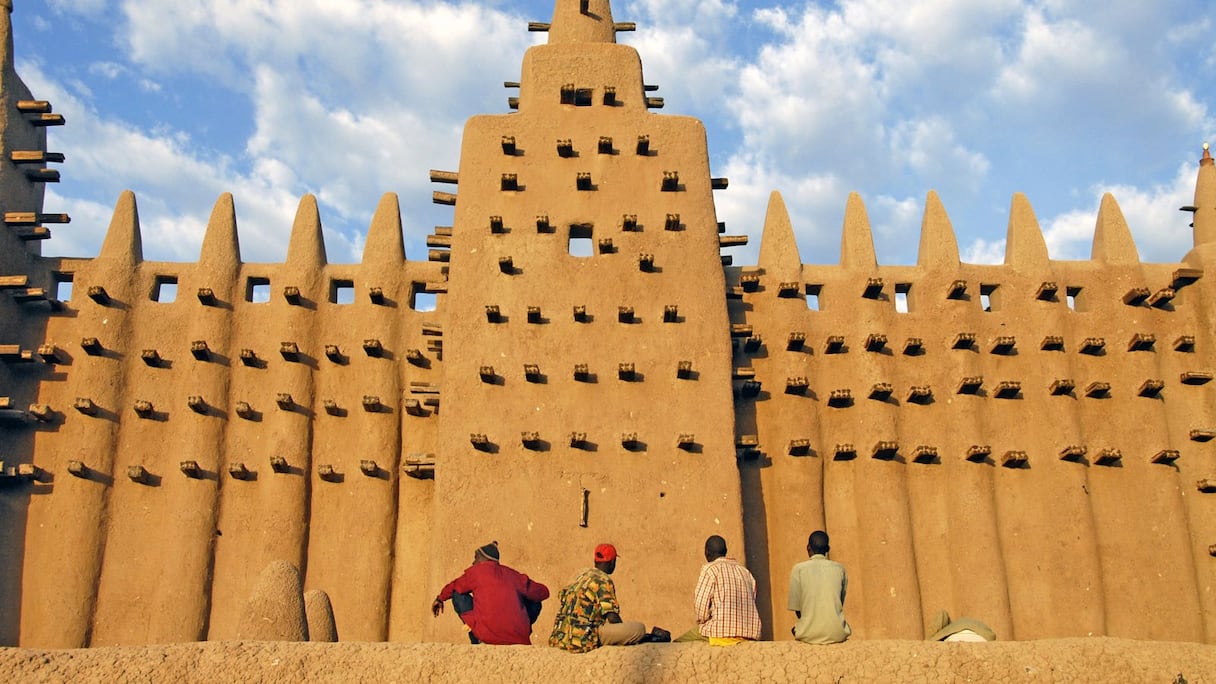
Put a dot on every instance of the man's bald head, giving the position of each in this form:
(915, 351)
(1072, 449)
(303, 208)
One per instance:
(715, 547)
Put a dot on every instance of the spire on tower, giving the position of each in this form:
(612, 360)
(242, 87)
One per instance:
(582, 21)
(938, 245)
(1204, 207)
(307, 243)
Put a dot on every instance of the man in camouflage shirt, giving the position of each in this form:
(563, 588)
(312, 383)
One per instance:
(588, 615)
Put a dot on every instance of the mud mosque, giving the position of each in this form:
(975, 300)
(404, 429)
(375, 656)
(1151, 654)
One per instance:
(1030, 443)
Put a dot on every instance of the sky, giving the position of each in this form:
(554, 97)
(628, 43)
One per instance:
(1063, 100)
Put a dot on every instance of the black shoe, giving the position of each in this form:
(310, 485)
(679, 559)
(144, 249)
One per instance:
(658, 635)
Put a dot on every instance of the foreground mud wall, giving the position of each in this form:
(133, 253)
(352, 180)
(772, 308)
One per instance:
(1071, 660)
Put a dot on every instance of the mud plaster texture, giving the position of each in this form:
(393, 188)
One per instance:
(1007, 440)
(1100, 659)
(276, 610)
(320, 614)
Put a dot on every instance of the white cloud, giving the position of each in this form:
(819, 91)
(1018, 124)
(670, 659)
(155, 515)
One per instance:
(809, 97)
(689, 69)
(1101, 77)
(363, 51)
(703, 16)
(85, 7)
(350, 99)
(815, 205)
(82, 237)
(175, 186)
(982, 251)
(386, 87)
(1161, 231)
(110, 70)
(1054, 56)
(895, 223)
(930, 148)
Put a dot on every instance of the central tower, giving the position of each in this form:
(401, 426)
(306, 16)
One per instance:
(587, 367)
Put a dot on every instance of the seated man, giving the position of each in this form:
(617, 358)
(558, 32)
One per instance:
(588, 615)
(817, 588)
(725, 600)
(497, 604)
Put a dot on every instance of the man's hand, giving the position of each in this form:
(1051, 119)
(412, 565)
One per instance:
(436, 607)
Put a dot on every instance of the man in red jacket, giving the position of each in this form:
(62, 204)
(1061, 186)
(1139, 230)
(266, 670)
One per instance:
(496, 603)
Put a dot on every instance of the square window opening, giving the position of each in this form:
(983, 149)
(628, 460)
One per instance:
(421, 300)
(342, 291)
(812, 296)
(164, 289)
(257, 290)
(1073, 297)
(63, 286)
(901, 297)
(581, 244)
(988, 297)
(582, 97)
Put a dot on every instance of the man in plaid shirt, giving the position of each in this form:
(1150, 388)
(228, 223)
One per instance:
(725, 600)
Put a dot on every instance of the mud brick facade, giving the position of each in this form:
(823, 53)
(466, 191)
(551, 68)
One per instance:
(1031, 443)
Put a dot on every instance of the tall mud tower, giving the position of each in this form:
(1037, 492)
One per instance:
(587, 358)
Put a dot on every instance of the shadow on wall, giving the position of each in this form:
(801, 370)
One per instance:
(755, 520)
(17, 447)
(14, 512)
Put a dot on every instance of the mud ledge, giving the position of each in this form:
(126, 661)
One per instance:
(1083, 659)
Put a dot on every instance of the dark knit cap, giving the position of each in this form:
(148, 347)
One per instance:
(489, 550)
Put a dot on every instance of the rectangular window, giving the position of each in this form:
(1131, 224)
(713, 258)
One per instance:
(812, 296)
(901, 297)
(63, 286)
(581, 244)
(164, 289)
(257, 290)
(988, 297)
(1074, 298)
(341, 291)
(420, 299)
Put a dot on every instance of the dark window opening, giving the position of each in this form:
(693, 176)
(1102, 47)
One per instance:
(812, 296)
(581, 244)
(901, 297)
(1075, 303)
(421, 300)
(164, 289)
(988, 297)
(342, 291)
(63, 287)
(257, 290)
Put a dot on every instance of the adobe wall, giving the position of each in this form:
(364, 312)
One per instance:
(194, 507)
(1107, 495)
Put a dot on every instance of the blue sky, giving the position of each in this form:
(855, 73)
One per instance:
(181, 100)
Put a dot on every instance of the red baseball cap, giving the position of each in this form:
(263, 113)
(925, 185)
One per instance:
(605, 553)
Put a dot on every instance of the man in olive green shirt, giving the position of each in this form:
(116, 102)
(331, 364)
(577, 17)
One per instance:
(817, 588)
